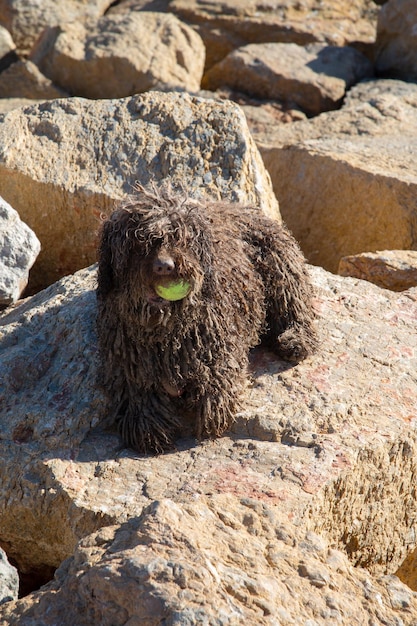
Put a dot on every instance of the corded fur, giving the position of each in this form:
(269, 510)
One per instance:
(163, 363)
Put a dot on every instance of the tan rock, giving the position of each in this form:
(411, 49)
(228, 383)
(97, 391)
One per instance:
(328, 446)
(24, 80)
(313, 77)
(390, 269)
(230, 24)
(122, 55)
(64, 162)
(26, 19)
(346, 180)
(216, 562)
(396, 46)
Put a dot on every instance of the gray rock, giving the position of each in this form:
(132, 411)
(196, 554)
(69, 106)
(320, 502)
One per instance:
(314, 77)
(81, 156)
(122, 55)
(9, 579)
(19, 247)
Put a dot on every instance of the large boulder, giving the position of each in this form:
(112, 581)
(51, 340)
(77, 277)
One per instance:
(218, 562)
(7, 49)
(346, 180)
(65, 162)
(122, 55)
(328, 446)
(19, 247)
(26, 19)
(314, 77)
(396, 43)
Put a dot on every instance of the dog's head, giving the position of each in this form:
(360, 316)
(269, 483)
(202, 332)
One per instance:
(156, 249)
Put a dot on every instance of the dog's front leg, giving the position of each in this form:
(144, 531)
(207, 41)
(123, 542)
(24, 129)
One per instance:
(149, 423)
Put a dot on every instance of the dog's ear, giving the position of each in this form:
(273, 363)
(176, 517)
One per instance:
(105, 274)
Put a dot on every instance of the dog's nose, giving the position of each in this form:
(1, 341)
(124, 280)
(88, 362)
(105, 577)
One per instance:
(163, 265)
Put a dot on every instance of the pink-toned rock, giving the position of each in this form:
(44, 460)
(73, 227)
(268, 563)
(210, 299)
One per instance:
(390, 269)
(329, 445)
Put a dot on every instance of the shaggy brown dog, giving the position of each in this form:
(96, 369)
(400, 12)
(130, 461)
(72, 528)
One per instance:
(168, 360)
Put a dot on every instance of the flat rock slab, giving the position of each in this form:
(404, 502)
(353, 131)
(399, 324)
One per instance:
(330, 445)
(64, 163)
(346, 181)
(122, 55)
(390, 269)
(313, 77)
(227, 25)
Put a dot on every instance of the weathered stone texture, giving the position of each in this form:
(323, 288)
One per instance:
(314, 77)
(346, 180)
(222, 562)
(64, 162)
(9, 579)
(19, 247)
(390, 269)
(122, 55)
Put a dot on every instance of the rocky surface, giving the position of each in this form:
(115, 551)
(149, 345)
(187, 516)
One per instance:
(396, 45)
(273, 523)
(313, 77)
(80, 156)
(346, 180)
(318, 445)
(19, 247)
(135, 52)
(390, 269)
(9, 580)
(208, 562)
(227, 25)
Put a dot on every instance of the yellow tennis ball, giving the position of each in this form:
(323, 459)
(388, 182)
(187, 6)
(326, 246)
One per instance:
(173, 291)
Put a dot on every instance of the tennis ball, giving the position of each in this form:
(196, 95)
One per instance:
(173, 291)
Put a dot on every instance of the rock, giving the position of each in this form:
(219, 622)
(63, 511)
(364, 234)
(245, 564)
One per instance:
(391, 269)
(26, 19)
(217, 562)
(396, 46)
(346, 180)
(7, 49)
(19, 247)
(329, 445)
(227, 25)
(9, 580)
(135, 52)
(81, 156)
(24, 80)
(314, 77)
